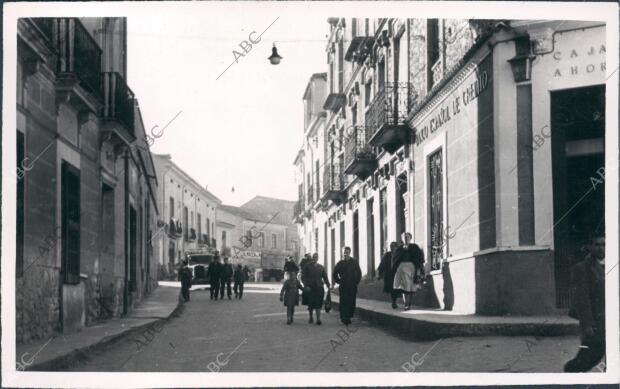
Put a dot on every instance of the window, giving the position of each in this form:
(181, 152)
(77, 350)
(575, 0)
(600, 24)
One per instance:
(70, 219)
(318, 182)
(192, 219)
(199, 222)
(274, 241)
(19, 264)
(340, 66)
(432, 49)
(353, 27)
(354, 114)
(208, 227)
(223, 239)
(367, 91)
(261, 240)
(171, 208)
(381, 75)
(316, 240)
(185, 226)
(435, 200)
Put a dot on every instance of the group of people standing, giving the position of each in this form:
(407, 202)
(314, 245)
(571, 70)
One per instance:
(402, 270)
(220, 276)
(312, 281)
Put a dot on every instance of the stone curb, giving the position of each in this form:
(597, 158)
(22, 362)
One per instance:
(64, 361)
(418, 329)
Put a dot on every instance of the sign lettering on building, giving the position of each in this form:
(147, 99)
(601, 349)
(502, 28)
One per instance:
(452, 107)
(577, 61)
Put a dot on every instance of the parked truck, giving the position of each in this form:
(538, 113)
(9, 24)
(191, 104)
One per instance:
(272, 266)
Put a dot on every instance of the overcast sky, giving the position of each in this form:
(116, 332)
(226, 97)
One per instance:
(244, 129)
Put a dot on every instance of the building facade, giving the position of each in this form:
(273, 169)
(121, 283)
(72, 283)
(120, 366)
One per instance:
(85, 178)
(480, 137)
(188, 221)
(259, 233)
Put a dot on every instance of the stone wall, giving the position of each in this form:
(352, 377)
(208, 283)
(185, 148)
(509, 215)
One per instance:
(37, 304)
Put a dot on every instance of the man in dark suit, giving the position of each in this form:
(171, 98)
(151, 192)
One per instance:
(213, 274)
(387, 269)
(225, 279)
(588, 282)
(348, 275)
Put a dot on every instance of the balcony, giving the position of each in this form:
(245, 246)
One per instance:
(334, 102)
(359, 48)
(175, 229)
(79, 65)
(360, 156)
(204, 239)
(192, 235)
(387, 117)
(334, 183)
(118, 107)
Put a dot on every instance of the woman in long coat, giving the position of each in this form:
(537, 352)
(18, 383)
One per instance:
(314, 276)
(410, 265)
(387, 268)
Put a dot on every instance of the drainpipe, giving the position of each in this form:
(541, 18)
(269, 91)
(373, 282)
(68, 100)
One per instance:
(126, 207)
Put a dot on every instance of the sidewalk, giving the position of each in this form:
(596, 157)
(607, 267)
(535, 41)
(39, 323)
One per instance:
(429, 324)
(63, 350)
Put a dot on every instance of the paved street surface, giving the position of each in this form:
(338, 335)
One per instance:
(254, 330)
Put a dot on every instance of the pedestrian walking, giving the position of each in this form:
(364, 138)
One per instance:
(387, 269)
(588, 306)
(185, 276)
(347, 274)
(290, 267)
(246, 272)
(213, 274)
(239, 278)
(410, 271)
(314, 277)
(225, 279)
(289, 294)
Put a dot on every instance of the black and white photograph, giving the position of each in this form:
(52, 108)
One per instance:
(303, 193)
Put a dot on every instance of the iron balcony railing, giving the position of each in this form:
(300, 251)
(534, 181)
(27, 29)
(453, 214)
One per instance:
(390, 106)
(357, 146)
(334, 179)
(78, 54)
(118, 100)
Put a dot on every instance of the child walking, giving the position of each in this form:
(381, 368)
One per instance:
(290, 295)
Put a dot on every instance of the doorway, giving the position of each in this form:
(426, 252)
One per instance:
(370, 236)
(578, 150)
(401, 204)
(133, 282)
(356, 236)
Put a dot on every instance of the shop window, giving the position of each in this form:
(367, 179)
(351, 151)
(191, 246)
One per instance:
(435, 200)
(70, 211)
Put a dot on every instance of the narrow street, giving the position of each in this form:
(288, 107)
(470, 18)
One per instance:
(254, 330)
